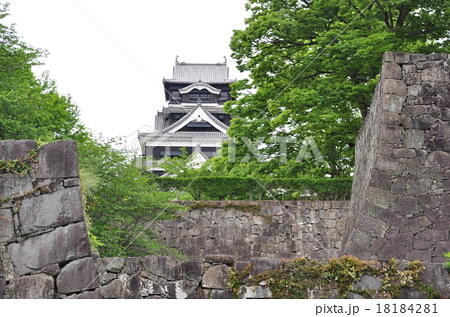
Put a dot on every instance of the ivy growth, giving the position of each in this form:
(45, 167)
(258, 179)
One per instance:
(297, 278)
(20, 166)
(447, 264)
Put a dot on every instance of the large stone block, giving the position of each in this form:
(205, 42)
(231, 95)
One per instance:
(113, 290)
(192, 270)
(14, 185)
(216, 277)
(79, 275)
(51, 210)
(58, 160)
(394, 87)
(368, 282)
(256, 292)
(39, 286)
(7, 233)
(180, 289)
(261, 264)
(16, 149)
(162, 266)
(58, 246)
(114, 265)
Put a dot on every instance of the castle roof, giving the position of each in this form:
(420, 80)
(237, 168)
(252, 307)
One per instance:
(194, 72)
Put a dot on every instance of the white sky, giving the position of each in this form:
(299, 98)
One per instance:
(111, 55)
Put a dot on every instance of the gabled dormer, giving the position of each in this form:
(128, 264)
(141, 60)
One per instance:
(197, 120)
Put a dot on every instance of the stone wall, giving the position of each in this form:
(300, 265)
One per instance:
(400, 205)
(400, 208)
(43, 235)
(282, 229)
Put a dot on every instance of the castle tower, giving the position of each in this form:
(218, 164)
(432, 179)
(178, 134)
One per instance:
(193, 117)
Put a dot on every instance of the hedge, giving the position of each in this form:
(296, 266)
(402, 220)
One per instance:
(250, 188)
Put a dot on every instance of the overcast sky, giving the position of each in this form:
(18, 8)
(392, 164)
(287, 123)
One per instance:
(111, 55)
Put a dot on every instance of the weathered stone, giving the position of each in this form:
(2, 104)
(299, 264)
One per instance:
(352, 295)
(414, 90)
(86, 295)
(216, 277)
(79, 275)
(431, 235)
(419, 223)
(2, 287)
(423, 122)
(438, 159)
(381, 197)
(418, 255)
(408, 293)
(70, 182)
(58, 246)
(51, 210)
(7, 233)
(417, 185)
(256, 292)
(392, 250)
(402, 58)
(367, 282)
(12, 185)
(219, 258)
(440, 73)
(404, 153)
(115, 289)
(16, 149)
(192, 270)
(392, 71)
(58, 160)
(133, 287)
(422, 245)
(105, 278)
(40, 286)
(260, 265)
(414, 139)
(373, 227)
(393, 103)
(429, 64)
(181, 289)
(150, 288)
(114, 265)
(380, 179)
(162, 266)
(407, 205)
(132, 265)
(52, 269)
(389, 164)
(394, 87)
(441, 248)
(437, 276)
(221, 294)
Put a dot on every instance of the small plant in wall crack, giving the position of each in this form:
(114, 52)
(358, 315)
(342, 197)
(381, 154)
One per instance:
(20, 166)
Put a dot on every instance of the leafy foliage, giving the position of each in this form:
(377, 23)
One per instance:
(447, 264)
(30, 107)
(313, 66)
(250, 188)
(119, 201)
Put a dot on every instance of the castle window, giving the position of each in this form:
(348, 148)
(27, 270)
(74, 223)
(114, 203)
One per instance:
(224, 96)
(203, 97)
(175, 96)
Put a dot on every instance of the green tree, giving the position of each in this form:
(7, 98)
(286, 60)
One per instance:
(30, 107)
(313, 66)
(120, 202)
